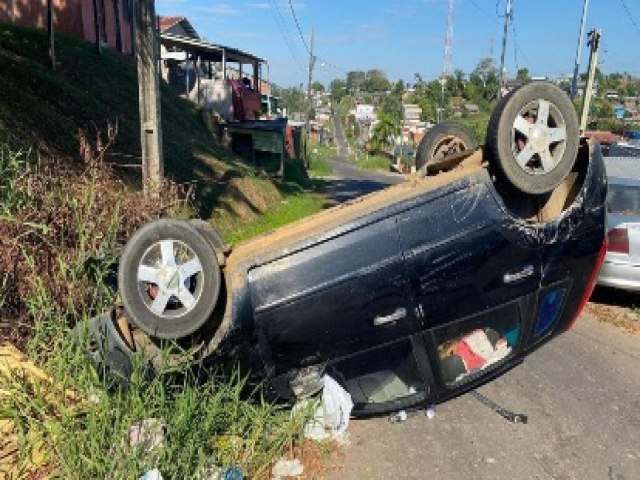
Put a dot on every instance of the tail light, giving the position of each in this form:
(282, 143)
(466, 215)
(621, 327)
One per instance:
(591, 284)
(618, 240)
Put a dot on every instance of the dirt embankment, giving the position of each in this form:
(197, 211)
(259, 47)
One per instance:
(47, 111)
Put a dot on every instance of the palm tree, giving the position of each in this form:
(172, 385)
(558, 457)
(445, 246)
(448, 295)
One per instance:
(384, 132)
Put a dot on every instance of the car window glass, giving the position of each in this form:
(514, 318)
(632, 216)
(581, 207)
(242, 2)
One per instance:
(623, 200)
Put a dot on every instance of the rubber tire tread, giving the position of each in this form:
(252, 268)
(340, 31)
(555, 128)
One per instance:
(135, 308)
(498, 138)
(435, 134)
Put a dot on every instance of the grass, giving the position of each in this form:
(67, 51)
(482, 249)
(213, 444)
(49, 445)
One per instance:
(49, 111)
(374, 162)
(212, 415)
(292, 208)
(477, 124)
(319, 165)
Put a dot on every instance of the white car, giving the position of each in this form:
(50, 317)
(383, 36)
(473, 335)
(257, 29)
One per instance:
(621, 268)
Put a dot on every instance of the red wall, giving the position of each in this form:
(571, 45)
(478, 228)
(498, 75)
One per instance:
(72, 17)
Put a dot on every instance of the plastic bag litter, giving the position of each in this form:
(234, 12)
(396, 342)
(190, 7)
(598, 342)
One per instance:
(152, 475)
(287, 468)
(331, 417)
(337, 405)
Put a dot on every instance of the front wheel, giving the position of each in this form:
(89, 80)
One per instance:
(169, 279)
(441, 146)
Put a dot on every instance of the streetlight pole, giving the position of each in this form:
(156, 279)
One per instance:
(574, 83)
(507, 19)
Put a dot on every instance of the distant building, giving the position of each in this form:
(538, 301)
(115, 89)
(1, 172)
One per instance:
(76, 18)
(411, 114)
(365, 113)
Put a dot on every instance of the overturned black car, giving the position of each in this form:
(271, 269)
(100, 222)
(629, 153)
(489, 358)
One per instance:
(412, 294)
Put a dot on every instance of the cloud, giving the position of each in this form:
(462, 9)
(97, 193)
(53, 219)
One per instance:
(220, 9)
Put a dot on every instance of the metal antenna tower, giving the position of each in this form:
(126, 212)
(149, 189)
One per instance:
(448, 43)
(448, 47)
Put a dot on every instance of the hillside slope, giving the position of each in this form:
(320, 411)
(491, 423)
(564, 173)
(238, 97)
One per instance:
(47, 109)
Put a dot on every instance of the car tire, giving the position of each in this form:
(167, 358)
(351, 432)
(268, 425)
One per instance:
(169, 279)
(534, 151)
(441, 144)
(213, 237)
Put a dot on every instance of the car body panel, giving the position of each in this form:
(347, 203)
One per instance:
(622, 270)
(371, 291)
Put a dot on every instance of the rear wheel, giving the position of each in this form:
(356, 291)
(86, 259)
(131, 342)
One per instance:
(169, 279)
(440, 147)
(533, 137)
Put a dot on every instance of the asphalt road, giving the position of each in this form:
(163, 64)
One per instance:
(580, 391)
(348, 181)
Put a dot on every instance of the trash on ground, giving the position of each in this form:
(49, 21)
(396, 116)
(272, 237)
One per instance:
(232, 473)
(152, 475)
(287, 468)
(430, 411)
(398, 417)
(331, 416)
(149, 434)
(337, 405)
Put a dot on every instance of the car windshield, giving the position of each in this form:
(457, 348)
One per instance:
(624, 200)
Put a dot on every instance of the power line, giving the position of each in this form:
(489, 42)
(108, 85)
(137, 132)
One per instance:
(286, 35)
(293, 12)
(482, 10)
(630, 15)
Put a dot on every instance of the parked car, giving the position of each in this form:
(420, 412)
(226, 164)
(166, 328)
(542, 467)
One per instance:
(412, 294)
(621, 267)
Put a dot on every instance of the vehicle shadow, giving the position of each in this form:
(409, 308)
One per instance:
(615, 297)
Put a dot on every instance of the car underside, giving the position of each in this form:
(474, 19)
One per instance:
(413, 294)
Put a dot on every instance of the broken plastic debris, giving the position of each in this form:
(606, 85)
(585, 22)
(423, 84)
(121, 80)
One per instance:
(430, 412)
(287, 468)
(148, 434)
(398, 417)
(152, 475)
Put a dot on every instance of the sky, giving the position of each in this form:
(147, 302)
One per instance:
(407, 37)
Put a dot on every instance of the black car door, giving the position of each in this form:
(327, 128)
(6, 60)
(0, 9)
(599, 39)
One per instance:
(467, 256)
(338, 295)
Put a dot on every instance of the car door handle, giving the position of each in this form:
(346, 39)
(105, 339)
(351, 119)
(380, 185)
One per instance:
(527, 271)
(399, 314)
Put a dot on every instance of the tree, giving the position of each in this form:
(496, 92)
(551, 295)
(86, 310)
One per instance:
(338, 89)
(316, 86)
(523, 75)
(355, 79)
(485, 79)
(376, 81)
(293, 99)
(384, 132)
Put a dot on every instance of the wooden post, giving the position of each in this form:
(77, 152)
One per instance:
(312, 63)
(50, 28)
(149, 98)
(96, 23)
(116, 13)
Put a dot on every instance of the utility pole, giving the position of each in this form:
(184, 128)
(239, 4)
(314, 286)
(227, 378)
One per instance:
(312, 64)
(574, 83)
(507, 20)
(149, 97)
(50, 31)
(594, 43)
